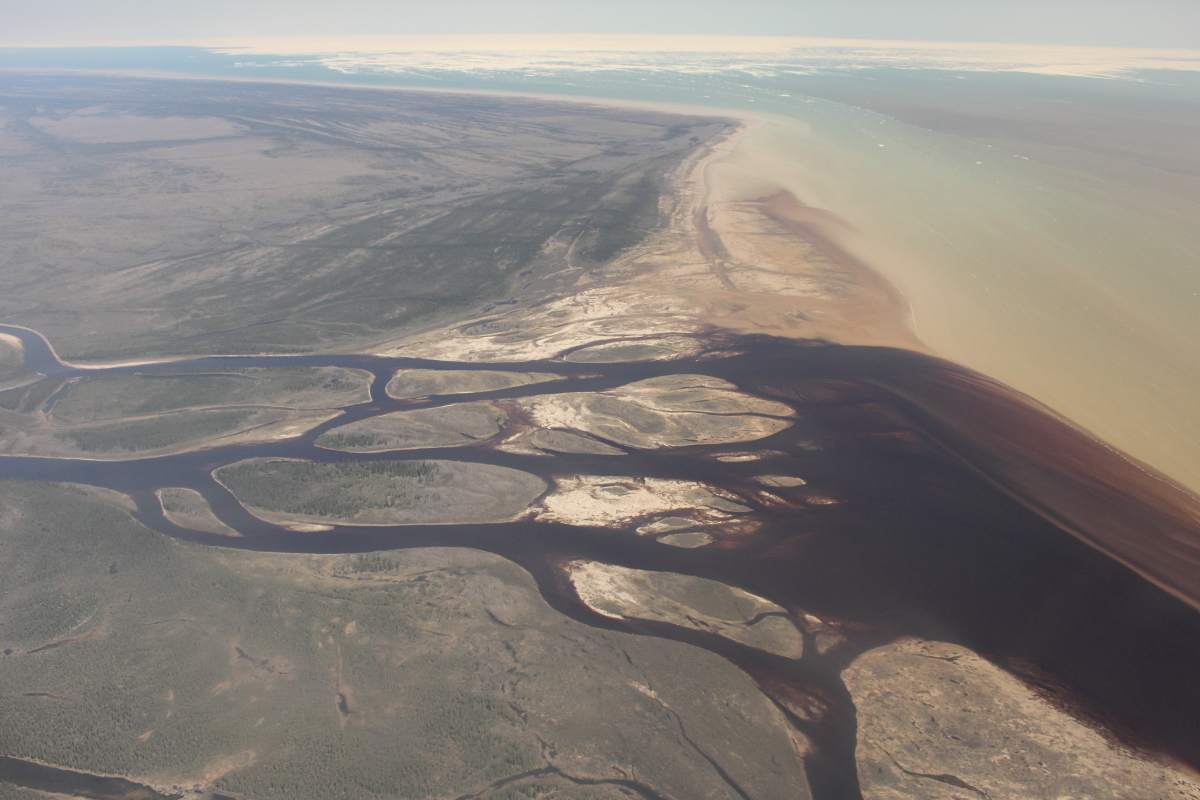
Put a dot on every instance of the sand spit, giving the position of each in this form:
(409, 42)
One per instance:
(187, 508)
(696, 603)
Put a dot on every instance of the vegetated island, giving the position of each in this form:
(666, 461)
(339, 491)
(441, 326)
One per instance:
(379, 492)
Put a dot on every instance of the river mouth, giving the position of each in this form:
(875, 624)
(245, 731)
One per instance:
(931, 502)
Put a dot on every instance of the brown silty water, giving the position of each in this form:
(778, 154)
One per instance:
(937, 503)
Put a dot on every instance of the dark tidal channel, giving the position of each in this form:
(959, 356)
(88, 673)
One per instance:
(965, 513)
(44, 778)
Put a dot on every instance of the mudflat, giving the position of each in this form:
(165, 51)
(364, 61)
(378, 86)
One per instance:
(731, 504)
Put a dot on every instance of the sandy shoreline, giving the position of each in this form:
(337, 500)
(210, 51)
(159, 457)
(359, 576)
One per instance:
(741, 253)
(951, 315)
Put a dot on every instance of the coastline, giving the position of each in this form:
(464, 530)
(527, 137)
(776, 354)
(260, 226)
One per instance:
(990, 253)
(925, 499)
(1137, 398)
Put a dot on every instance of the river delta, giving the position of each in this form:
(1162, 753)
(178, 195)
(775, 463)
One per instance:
(684, 512)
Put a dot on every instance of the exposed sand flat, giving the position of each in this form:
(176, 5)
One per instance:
(779, 480)
(671, 411)
(616, 501)
(591, 316)
(12, 350)
(12, 358)
(735, 253)
(781, 270)
(697, 603)
(187, 508)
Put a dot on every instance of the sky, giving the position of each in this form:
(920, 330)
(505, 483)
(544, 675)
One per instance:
(1109, 23)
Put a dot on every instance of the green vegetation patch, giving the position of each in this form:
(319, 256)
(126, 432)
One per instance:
(351, 441)
(30, 398)
(616, 353)
(106, 397)
(623, 219)
(447, 426)
(157, 432)
(16, 376)
(379, 492)
(393, 683)
(372, 562)
(9, 791)
(563, 442)
(342, 490)
(205, 654)
(427, 382)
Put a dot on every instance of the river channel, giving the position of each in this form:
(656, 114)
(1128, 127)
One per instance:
(936, 503)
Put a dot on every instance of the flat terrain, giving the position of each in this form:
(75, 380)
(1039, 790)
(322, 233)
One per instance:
(445, 426)
(425, 382)
(12, 371)
(379, 492)
(663, 412)
(150, 217)
(187, 508)
(929, 748)
(407, 674)
(109, 397)
(167, 410)
(688, 601)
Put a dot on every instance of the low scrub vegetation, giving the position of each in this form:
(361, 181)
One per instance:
(156, 432)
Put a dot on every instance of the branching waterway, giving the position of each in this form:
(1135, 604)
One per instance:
(935, 503)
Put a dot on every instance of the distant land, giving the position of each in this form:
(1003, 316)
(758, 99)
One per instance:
(1033, 203)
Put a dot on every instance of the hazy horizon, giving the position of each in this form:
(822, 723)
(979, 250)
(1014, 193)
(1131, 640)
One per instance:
(1154, 24)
